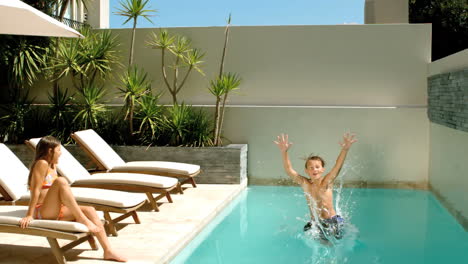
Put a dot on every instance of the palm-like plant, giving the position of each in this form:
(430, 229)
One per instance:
(135, 84)
(185, 56)
(150, 116)
(220, 88)
(91, 108)
(133, 9)
(176, 123)
(85, 60)
(200, 127)
(22, 59)
(60, 111)
(12, 124)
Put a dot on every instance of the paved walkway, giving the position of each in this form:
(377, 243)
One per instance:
(159, 237)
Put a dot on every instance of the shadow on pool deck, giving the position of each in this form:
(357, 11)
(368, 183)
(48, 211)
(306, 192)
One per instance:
(159, 237)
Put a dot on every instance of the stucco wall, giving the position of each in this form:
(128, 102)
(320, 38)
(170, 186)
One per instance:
(288, 66)
(392, 148)
(299, 65)
(448, 163)
(448, 169)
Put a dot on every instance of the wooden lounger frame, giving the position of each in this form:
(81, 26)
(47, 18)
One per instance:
(148, 190)
(52, 236)
(101, 168)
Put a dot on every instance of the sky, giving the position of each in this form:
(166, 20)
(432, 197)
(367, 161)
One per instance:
(208, 13)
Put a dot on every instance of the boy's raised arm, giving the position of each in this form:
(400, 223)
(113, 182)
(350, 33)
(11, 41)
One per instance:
(348, 140)
(283, 144)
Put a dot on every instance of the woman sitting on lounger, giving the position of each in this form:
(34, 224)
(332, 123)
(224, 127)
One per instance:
(52, 199)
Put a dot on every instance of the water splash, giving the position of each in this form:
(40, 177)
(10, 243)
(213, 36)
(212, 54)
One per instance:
(332, 250)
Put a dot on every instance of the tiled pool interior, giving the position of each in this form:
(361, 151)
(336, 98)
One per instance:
(264, 225)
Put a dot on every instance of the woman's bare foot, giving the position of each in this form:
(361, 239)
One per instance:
(111, 255)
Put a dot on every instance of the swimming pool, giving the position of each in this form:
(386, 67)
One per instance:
(264, 225)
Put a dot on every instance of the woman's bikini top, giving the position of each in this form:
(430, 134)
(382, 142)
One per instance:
(49, 178)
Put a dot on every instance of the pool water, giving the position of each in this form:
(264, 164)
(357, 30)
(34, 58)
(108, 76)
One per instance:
(264, 225)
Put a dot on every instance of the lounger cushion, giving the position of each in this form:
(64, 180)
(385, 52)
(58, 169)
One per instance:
(158, 166)
(71, 169)
(103, 197)
(114, 163)
(13, 174)
(99, 148)
(11, 215)
(129, 178)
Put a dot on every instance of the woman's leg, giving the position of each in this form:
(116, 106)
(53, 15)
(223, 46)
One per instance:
(59, 193)
(109, 254)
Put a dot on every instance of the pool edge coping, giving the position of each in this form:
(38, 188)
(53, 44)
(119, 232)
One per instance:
(171, 254)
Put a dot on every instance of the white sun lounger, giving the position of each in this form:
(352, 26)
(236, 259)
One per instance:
(78, 233)
(78, 176)
(14, 191)
(106, 159)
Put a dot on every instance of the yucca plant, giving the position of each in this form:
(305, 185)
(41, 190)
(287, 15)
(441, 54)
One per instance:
(133, 9)
(60, 111)
(176, 124)
(200, 129)
(184, 57)
(88, 60)
(135, 83)
(183, 125)
(90, 109)
(12, 123)
(150, 117)
(22, 59)
(221, 88)
(112, 128)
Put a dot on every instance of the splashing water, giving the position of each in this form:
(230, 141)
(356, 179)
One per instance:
(332, 250)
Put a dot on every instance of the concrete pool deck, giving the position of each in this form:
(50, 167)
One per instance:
(159, 237)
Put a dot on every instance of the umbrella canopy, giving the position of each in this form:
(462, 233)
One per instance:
(18, 18)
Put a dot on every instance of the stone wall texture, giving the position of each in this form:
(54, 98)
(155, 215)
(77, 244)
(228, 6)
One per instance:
(448, 99)
(219, 165)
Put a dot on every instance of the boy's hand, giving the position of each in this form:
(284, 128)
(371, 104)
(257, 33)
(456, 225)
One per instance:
(283, 143)
(348, 140)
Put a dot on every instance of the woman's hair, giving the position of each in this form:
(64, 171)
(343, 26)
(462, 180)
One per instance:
(42, 149)
(314, 157)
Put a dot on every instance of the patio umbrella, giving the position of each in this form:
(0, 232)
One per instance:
(18, 18)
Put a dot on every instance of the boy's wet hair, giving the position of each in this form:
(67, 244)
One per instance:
(314, 157)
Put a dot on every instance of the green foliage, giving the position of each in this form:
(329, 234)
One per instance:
(90, 109)
(22, 58)
(184, 126)
(200, 127)
(132, 9)
(161, 41)
(113, 129)
(87, 60)
(220, 88)
(60, 114)
(226, 83)
(12, 123)
(150, 117)
(449, 20)
(135, 84)
(184, 57)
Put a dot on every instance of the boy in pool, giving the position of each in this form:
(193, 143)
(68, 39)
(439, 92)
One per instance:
(318, 190)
